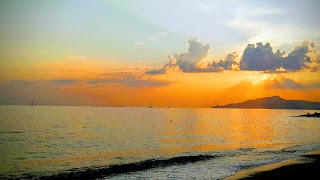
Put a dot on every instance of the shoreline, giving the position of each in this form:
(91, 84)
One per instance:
(305, 167)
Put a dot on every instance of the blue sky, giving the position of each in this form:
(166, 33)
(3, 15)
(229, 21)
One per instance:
(141, 32)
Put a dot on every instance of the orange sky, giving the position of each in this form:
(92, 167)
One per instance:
(80, 81)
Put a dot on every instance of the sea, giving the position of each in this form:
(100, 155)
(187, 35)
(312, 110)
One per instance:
(80, 142)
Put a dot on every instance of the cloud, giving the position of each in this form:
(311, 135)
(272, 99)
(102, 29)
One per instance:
(151, 38)
(314, 69)
(63, 81)
(267, 81)
(157, 36)
(269, 24)
(297, 59)
(315, 85)
(192, 60)
(21, 82)
(256, 57)
(259, 57)
(197, 51)
(122, 74)
(171, 65)
(131, 78)
(229, 63)
(130, 82)
(282, 83)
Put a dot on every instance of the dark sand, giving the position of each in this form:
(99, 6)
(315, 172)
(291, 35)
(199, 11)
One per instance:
(306, 167)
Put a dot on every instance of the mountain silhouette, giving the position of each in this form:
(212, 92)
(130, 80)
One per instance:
(274, 102)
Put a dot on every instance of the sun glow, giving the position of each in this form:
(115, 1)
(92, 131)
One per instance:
(259, 78)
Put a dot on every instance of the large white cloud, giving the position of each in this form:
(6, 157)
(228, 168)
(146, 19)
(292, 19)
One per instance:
(197, 51)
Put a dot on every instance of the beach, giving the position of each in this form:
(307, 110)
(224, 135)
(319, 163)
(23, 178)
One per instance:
(305, 167)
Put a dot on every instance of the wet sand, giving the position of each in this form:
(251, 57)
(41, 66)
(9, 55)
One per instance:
(305, 167)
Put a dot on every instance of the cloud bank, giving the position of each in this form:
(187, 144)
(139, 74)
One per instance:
(255, 57)
(130, 79)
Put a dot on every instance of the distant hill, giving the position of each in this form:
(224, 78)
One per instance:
(274, 102)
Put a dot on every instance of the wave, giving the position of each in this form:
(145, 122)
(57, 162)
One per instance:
(10, 132)
(246, 149)
(100, 172)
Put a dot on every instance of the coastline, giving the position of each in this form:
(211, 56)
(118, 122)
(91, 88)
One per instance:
(305, 167)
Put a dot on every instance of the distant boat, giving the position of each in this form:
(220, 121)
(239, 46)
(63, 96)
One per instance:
(32, 103)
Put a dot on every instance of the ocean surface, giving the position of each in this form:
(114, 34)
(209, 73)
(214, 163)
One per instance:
(58, 142)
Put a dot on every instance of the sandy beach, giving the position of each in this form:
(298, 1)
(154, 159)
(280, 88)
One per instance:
(305, 167)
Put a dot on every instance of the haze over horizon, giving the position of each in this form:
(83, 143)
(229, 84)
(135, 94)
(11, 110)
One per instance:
(167, 53)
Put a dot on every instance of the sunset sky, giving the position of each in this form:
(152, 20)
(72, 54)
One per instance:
(178, 53)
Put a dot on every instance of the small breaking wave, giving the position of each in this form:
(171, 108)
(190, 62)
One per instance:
(249, 149)
(100, 172)
(11, 132)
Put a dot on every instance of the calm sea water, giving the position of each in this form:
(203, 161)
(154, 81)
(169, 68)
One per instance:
(163, 143)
